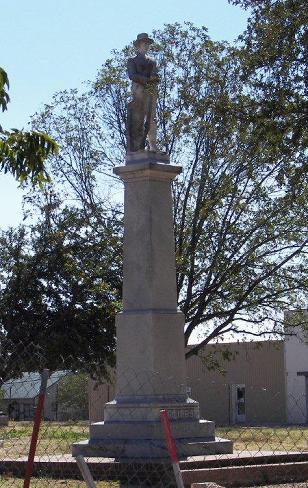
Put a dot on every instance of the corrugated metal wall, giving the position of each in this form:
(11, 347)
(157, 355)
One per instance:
(257, 365)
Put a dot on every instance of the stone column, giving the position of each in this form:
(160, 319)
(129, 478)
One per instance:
(150, 351)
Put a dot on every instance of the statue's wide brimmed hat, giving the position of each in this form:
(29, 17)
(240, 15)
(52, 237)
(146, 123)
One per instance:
(143, 37)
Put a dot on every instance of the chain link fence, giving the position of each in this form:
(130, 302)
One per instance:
(267, 447)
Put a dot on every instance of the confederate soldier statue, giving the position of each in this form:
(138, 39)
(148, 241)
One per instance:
(141, 111)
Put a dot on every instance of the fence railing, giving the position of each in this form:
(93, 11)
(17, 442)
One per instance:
(260, 422)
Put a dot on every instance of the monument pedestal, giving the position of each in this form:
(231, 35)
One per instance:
(151, 372)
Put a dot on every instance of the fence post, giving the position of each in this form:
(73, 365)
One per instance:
(85, 471)
(36, 427)
(171, 448)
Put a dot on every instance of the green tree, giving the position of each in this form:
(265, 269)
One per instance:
(72, 396)
(240, 214)
(60, 289)
(23, 153)
(274, 51)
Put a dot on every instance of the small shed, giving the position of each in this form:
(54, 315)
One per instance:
(20, 395)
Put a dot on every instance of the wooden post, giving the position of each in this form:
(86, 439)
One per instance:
(171, 448)
(36, 427)
(84, 469)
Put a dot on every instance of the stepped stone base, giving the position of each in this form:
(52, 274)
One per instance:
(142, 437)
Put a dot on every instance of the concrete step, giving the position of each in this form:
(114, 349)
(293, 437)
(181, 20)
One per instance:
(152, 449)
(152, 430)
(203, 448)
(258, 474)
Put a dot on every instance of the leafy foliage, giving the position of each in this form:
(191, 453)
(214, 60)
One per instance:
(274, 50)
(23, 153)
(4, 85)
(60, 289)
(72, 396)
(86, 155)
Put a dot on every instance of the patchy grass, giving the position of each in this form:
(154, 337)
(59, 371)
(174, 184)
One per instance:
(48, 483)
(56, 430)
(266, 438)
(56, 438)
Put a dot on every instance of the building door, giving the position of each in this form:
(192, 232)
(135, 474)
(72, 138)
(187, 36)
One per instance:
(238, 403)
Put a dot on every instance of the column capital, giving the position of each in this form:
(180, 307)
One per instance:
(147, 171)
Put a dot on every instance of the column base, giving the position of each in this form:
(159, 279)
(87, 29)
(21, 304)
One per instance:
(133, 432)
(145, 450)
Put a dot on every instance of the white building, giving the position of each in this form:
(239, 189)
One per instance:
(296, 373)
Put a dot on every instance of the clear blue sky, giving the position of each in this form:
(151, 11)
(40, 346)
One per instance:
(51, 45)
